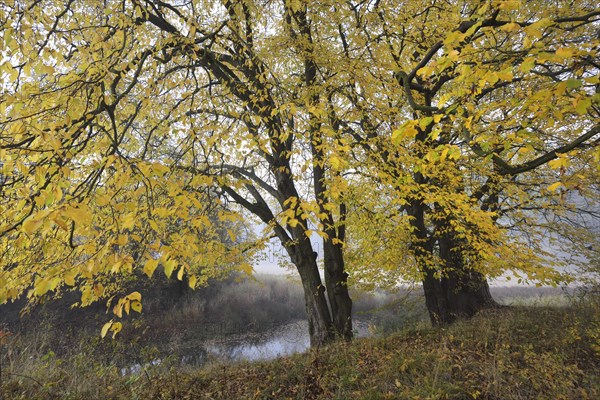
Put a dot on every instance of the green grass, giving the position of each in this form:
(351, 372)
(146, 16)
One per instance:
(514, 353)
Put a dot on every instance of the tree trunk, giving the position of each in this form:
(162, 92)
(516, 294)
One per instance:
(320, 326)
(483, 294)
(454, 297)
(319, 320)
(460, 292)
(336, 281)
(435, 299)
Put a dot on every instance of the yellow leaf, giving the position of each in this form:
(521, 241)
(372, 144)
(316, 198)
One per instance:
(594, 80)
(153, 225)
(582, 104)
(505, 75)
(425, 71)
(246, 268)
(136, 306)
(122, 240)
(527, 65)
(565, 52)
(69, 277)
(134, 296)
(492, 77)
(559, 163)
(159, 169)
(58, 220)
(468, 122)
(425, 122)
(535, 30)
(150, 267)
(102, 200)
(169, 266)
(336, 162)
(292, 222)
(454, 152)
(31, 225)
(41, 287)
(435, 133)
(80, 214)
(295, 5)
(129, 221)
(161, 212)
(453, 37)
(180, 273)
(509, 5)
(86, 295)
(192, 281)
(444, 154)
(407, 130)
(105, 328)
(511, 27)
(117, 265)
(98, 290)
(554, 186)
(116, 328)
(118, 309)
(525, 149)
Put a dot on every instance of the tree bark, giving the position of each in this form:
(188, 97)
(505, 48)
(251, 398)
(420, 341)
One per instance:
(320, 326)
(453, 297)
(435, 299)
(336, 281)
(335, 275)
(460, 292)
(440, 305)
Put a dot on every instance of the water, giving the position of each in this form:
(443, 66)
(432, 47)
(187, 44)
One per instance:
(280, 341)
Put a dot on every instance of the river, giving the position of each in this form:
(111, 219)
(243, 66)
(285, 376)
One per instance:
(279, 341)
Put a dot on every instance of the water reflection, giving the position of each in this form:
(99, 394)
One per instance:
(284, 340)
(251, 346)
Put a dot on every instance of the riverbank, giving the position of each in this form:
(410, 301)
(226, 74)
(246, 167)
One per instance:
(57, 353)
(230, 320)
(514, 353)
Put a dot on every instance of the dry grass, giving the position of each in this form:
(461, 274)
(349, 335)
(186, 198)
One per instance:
(516, 353)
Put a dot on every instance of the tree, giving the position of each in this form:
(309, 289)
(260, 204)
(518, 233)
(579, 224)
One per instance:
(496, 97)
(131, 121)
(140, 97)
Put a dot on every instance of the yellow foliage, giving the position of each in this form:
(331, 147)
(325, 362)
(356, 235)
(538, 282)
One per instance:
(133, 137)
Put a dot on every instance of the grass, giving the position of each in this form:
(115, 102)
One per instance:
(521, 352)
(174, 319)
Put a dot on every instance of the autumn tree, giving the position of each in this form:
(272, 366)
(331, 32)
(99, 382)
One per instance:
(124, 116)
(500, 102)
(414, 132)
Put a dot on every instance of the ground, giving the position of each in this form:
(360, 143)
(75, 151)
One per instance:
(543, 348)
